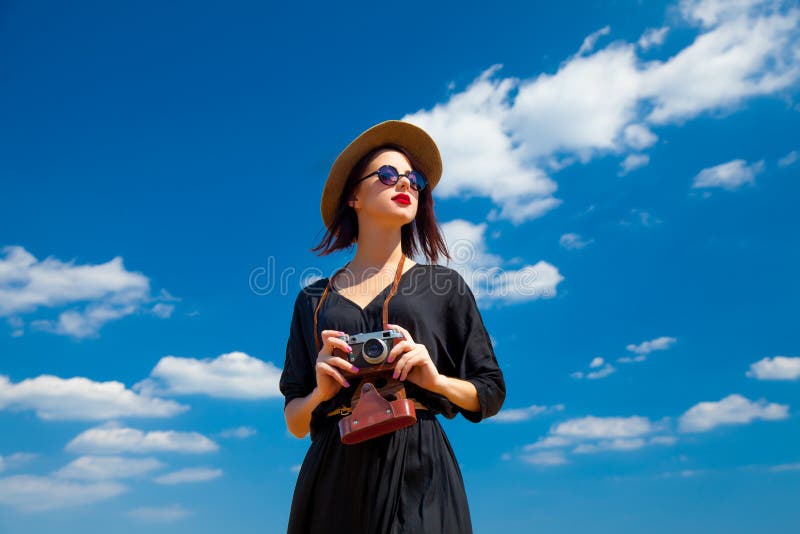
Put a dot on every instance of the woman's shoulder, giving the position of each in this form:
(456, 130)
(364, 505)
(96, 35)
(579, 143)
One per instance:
(311, 289)
(442, 279)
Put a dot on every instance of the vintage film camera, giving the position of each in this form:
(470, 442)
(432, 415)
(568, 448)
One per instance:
(380, 405)
(370, 351)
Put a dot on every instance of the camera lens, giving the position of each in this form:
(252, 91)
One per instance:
(374, 351)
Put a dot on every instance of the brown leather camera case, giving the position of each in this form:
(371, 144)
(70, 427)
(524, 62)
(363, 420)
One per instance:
(375, 416)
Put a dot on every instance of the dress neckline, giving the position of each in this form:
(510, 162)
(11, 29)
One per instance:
(384, 290)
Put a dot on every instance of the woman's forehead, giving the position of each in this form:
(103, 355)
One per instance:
(390, 157)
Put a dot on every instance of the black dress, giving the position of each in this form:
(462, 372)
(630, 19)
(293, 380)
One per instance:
(409, 480)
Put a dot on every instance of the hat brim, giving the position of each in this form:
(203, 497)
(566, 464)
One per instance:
(413, 138)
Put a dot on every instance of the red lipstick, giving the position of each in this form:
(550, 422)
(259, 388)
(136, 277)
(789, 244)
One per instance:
(402, 198)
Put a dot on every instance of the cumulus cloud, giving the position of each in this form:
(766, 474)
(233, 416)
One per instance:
(78, 398)
(113, 438)
(31, 493)
(234, 375)
(776, 368)
(94, 293)
(502, 137)
(107, 467)
(191, 474)
(731, 175)
(484, 273)
(733, 409)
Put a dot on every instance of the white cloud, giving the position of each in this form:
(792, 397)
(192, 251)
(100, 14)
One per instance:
(112, 438)
(108, 290)
(545, 458)
(483, 272)
(107, 467)
(592, 434)
(733, 409)
(572, 241)
(30, 493)
(652, 37)
(163, 310)
(78, 398)
(622, 444)
(159, 514)
(515, 415)
(591, 40)
(776, 368)
(591, 427)
(730, 175)
(660, 343)
(234, 375)
(639, 217)
(605, 369)
(15, 460)
(633, 162)
(788, 159)
(191, 474)
(501, 136)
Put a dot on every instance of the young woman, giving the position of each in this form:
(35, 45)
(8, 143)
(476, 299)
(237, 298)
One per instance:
(378, 196)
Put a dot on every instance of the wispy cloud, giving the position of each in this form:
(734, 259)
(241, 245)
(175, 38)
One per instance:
(95, 293)
(572, 241)
(32, 493)
(188, 475)
(107, 467)
(516, 415)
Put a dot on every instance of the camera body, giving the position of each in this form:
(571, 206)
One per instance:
(370, 351)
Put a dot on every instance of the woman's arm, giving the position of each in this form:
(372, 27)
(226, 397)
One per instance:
(462, 393)
(298, 413)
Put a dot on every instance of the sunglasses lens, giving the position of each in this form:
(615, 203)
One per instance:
(417, 180)
(388, 175)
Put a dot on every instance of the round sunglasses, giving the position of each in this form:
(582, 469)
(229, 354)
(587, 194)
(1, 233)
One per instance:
(388, 175)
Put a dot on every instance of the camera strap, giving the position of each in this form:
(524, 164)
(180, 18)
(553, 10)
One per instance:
(385, 316)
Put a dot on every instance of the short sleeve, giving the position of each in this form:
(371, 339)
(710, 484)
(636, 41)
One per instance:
(474, 353)
(298, 378)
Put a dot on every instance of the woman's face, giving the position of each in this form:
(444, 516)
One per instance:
(378, 203)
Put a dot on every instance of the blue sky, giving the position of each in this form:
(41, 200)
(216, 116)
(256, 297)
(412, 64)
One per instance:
(160, 165)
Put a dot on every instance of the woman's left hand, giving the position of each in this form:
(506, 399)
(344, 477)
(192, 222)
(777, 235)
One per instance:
(415, 363)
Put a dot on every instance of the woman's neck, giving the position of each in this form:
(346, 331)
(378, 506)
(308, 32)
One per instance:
(377, 249)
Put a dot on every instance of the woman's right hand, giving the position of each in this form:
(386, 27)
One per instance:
(329, 378)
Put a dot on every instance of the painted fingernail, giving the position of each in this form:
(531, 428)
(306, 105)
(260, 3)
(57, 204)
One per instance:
(346, 383)
(355, 369)
(349, 348)
(394, 375)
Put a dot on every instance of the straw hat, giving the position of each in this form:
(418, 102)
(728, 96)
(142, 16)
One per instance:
(412, 138)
